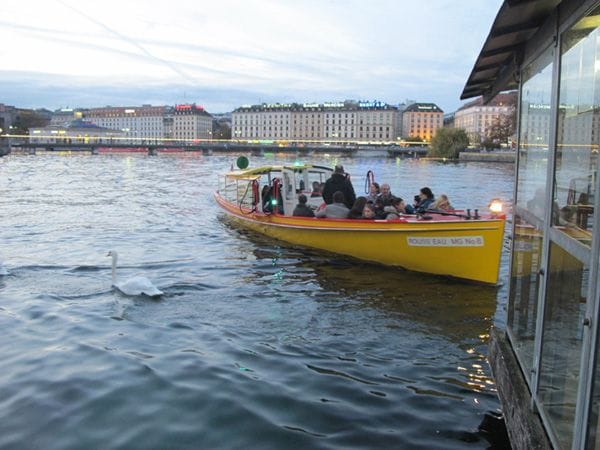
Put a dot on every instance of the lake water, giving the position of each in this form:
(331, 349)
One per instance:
(255, 344)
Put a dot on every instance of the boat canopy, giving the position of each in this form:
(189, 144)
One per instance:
(256, 172)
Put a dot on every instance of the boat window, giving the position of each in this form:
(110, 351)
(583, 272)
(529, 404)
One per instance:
(288, 186)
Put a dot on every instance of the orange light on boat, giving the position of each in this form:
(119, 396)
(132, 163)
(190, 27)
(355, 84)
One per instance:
(496, 206)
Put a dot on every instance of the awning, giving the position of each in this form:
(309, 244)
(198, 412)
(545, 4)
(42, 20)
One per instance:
(517, 21)
(256, 172)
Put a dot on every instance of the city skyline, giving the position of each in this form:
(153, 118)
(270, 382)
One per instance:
(69, 54)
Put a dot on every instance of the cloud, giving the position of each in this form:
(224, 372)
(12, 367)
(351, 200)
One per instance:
(152, 51)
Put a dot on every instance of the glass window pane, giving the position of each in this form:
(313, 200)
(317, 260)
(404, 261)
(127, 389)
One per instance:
(524, 288)
(562, 341)
(593, 440)
(534, 137)
(529, 206)
(578, 128)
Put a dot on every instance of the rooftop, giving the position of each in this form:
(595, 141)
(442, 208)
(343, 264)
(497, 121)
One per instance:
(423, 107)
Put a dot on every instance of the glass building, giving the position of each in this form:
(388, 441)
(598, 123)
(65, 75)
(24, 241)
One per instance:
(546, 363)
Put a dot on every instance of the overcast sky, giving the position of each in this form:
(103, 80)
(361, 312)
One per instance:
(222, 54)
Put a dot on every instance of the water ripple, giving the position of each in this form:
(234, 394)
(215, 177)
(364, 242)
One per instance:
(287, 347)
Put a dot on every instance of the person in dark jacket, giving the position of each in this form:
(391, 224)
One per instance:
(302, 209)
(384, 199)
(426, 198)
(339, 181)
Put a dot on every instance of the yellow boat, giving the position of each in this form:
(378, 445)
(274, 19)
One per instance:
(453, 244)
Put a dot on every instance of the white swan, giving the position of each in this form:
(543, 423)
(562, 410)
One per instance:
(133, 286)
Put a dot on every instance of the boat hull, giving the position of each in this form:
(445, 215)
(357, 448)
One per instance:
(466, 249)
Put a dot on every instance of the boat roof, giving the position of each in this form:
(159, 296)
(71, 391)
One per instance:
(256, 172)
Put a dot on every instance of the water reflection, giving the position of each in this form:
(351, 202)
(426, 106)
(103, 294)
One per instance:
(407, 309)
(444, 305)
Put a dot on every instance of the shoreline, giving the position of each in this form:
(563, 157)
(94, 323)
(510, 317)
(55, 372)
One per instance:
(502, 157)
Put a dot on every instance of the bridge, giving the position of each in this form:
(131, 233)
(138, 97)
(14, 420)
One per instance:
(206, 147)
(413, 151)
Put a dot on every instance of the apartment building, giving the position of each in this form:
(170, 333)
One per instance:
(137, 123)
(334, 121)
(422, 120)
(477, 119)
(377, 121)
(190, 122)
(307, 122)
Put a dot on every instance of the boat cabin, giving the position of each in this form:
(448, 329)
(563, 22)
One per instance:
(274, 189)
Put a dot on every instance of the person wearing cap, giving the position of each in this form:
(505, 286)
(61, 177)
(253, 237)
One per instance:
(339, 181)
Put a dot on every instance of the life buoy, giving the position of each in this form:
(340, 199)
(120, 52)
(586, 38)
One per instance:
(255, 193)
(276, 195)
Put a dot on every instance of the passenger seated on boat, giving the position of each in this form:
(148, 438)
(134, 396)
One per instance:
(302, 209)
(301, 186)
(339, 181)
(316, 189)
(383, 199)
(374, 191)
(426, 198)
(335, 210)
(368, 211)
(410, 209)
(395, 210)
(357, 208)
(267, 197)
(441, 203)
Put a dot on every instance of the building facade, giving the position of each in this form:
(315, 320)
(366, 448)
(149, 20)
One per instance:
(347, 121)
(547, 361)
(190, 122)
(477, 118)
(63, 116)
(137, 123)
(152, 123)
(8, 116)
(421, 120)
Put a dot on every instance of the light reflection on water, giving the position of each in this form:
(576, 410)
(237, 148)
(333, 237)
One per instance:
(254, 343)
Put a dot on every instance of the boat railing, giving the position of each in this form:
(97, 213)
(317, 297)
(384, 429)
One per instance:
(238, 191)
